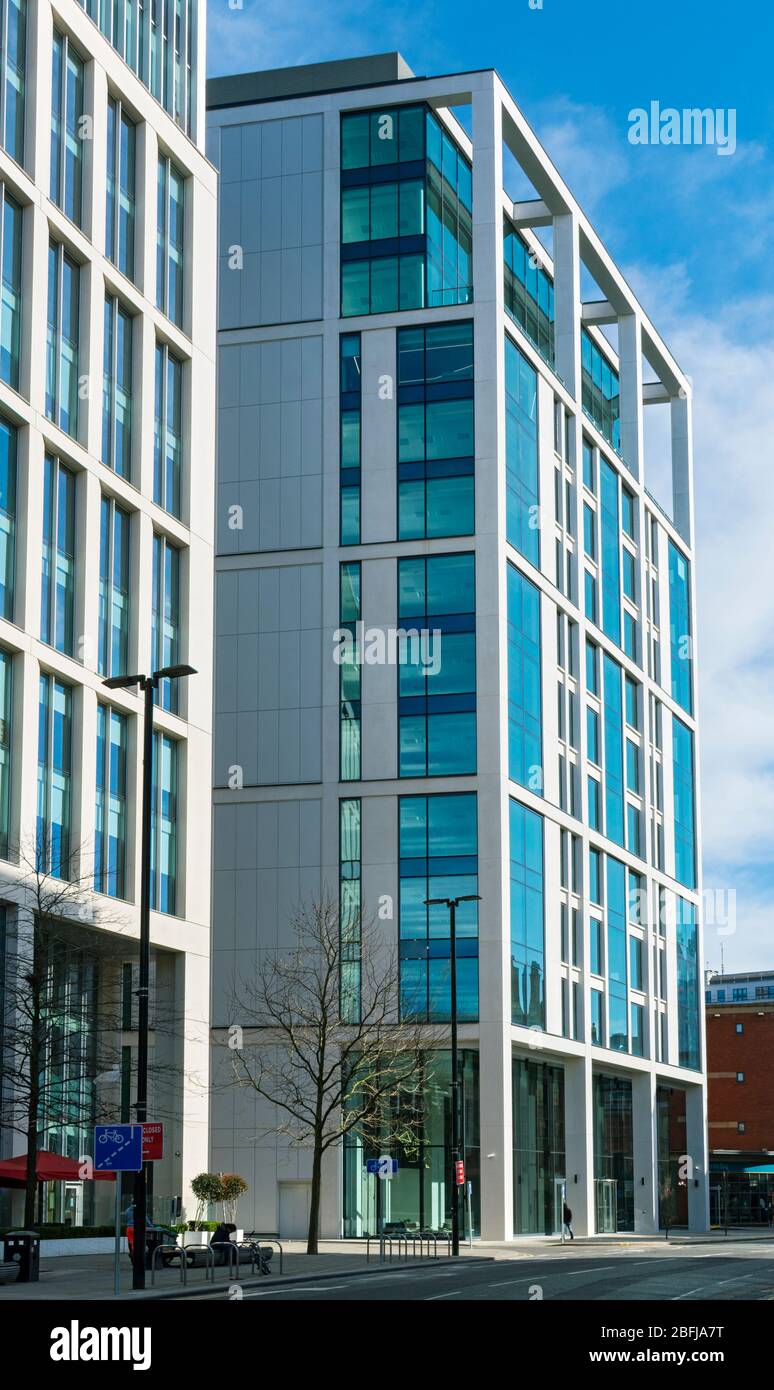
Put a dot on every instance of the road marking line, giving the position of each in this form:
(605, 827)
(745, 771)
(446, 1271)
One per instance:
(601, 1270)
(676, 1298)
(451, 1294)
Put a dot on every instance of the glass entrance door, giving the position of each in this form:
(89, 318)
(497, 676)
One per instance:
(606, 1205)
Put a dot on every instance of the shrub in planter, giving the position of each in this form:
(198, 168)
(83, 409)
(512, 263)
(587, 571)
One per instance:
(232, 1188)
(206, 1188)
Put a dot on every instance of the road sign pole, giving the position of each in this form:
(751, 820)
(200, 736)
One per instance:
(117, 1264)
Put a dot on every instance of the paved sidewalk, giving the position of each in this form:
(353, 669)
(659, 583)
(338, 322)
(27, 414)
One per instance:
(90, 1277)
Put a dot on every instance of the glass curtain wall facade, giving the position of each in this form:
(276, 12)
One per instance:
(435, 431)
(406, 227)
(417, 1198)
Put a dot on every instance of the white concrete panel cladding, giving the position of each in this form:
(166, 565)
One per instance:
(271, 200)
(268, 673)
(270, 446)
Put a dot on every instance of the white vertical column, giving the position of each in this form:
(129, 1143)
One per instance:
(630, 376)
(491, 674)
(579, 1143)
(696, 1150)
(567, 301)
(682, 466)
(645, 1144)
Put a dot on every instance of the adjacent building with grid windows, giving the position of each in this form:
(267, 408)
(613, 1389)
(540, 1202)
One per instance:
(429, 422)
(107, 341)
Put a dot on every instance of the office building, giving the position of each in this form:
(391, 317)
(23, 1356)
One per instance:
(428, 421)
(106, 476)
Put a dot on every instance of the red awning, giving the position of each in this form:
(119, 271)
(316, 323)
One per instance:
(49, 1168)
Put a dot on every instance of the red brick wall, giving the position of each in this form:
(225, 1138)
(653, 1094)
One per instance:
(751, 1100)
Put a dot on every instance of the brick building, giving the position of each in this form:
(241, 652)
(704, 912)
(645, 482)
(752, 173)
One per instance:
(740, 1060)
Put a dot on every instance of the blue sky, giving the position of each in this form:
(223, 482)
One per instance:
(694, 233)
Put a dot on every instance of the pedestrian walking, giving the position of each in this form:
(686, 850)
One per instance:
(567, 1220)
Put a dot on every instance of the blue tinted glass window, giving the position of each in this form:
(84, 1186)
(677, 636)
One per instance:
(684, 804)
(688, 986)
(527, 923)
(437, 665)
(525, 754)
(680, 628)
(521, 454)
(438, 858)
(613, 751)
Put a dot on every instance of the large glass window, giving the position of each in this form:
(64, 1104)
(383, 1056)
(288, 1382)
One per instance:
(57, 594)
(67, 93)
(436, 444)
(117, 389)
(120, 194)
(525, 740)
(406, 228)
(10, 310)
(110, 811)
(53, 849)
(6, 709)
(349, 909)
(617, 996)
(538, 1146)
(168, 430)
(349, 672)
(613, 750)
(158, 41)
(165, 627)
(418, 1197)
(112, 657)
(13, 52)
(350, 423)
(684, 803)
(437, 665)
(610, 545)
(449, 220)
(438, 858)
(64, 282)
(527, 926)
(169, 239)
(613, 1152)
(680, 628)
(529, 292)
(164, 825)
(600, 391)
(521, 454)
(688, 985)
(8, 438)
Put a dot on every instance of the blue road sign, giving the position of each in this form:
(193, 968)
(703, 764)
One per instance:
(117, 1148)
(383, 1167)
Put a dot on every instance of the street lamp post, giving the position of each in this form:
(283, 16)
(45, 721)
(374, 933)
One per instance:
(148, 685)
(453, 904)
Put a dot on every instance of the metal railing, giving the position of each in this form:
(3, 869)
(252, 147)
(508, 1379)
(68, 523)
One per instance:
(402, 1240)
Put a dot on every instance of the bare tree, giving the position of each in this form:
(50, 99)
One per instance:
(60, 1021)
(332, 1059)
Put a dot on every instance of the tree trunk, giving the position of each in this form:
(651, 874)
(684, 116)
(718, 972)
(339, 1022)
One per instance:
(314, 1204)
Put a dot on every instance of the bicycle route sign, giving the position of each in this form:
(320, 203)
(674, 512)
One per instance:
(117, 1148)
